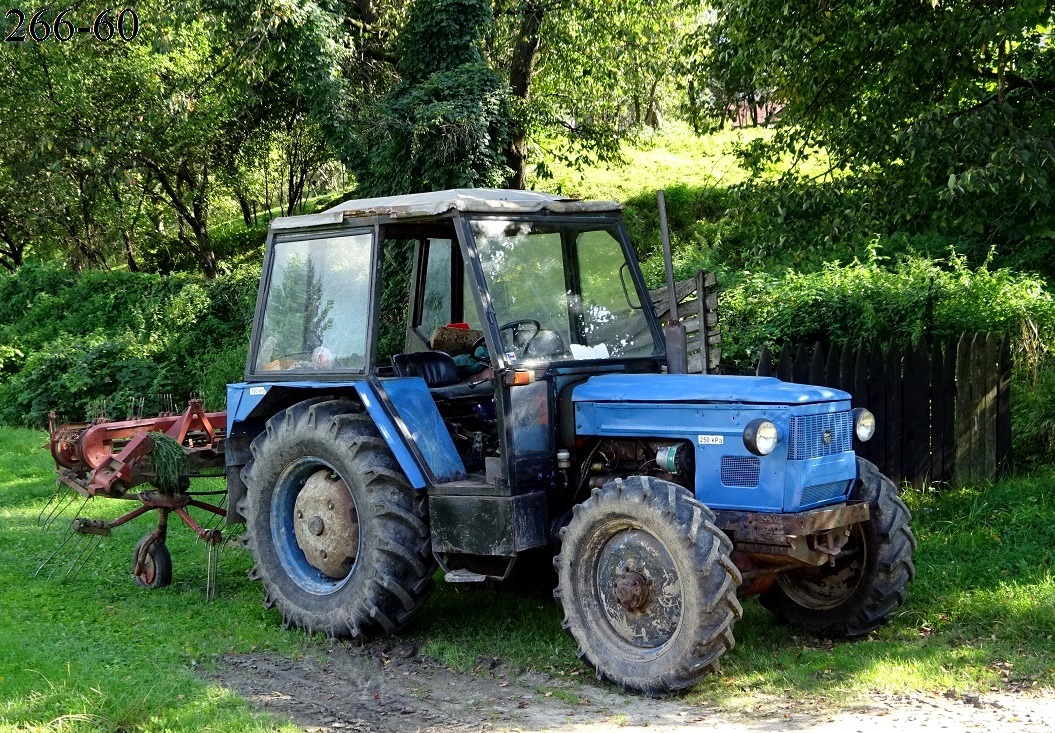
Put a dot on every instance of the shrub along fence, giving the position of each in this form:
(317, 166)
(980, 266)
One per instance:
(942, 407)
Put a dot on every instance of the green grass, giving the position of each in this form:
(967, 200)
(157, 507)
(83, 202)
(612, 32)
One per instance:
(97, 653)
(674, 156)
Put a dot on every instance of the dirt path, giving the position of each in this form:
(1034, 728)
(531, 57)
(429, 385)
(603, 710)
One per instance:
(384, 688)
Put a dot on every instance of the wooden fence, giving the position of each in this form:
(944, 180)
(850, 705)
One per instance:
(698, 310)
(942, 407)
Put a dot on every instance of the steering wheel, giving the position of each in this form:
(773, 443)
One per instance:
(519, 341)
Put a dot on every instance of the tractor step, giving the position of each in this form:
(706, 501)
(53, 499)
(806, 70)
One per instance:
(464, 576)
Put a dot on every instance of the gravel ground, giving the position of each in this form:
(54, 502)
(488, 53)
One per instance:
(384, 687)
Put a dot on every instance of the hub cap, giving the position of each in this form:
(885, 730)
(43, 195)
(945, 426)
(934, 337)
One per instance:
(639, 588)
(325, 524)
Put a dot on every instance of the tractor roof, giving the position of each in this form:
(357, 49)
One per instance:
(479, 200)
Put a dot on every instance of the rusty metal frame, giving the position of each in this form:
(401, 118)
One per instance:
(765, 544)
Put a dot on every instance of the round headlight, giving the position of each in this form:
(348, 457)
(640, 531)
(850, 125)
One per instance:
(864, 424)
(761, 437)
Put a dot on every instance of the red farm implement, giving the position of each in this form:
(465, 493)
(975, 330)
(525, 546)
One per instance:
(112, 458)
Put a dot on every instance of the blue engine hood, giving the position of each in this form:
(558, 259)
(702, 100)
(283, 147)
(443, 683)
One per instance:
(701, 388)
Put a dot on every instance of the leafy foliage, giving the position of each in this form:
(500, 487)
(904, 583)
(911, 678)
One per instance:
(943, 110)
(118, 337)
(446, 123)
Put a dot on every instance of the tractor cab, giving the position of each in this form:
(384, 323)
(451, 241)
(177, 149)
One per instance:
(460, 319)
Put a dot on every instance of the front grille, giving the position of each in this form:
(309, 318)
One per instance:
(740, 471)
(823, 492)
(813, 436)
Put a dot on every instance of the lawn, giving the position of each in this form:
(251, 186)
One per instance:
(92, 651)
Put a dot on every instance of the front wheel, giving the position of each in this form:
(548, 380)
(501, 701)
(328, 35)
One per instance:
(868, 580)
(647, 586)
(339, 538)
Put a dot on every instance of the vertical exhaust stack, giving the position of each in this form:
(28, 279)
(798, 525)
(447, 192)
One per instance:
(674, 331)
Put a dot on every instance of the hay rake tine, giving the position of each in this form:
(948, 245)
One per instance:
(78, 539)
(54, 552)
(56, 496)
(77, 514)
(59, 510)
(89, 549)
(210, 573)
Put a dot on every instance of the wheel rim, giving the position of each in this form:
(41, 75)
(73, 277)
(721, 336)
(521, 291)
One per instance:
(639, 589)
(149, 571)
(829, 587)
(315, 526)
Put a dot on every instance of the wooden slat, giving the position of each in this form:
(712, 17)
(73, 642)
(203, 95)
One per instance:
(1003, 408)
(964, 411)
(859, 394)
(784, 364)
(765, 364)
(816, 366)
(915, 415)
(846, 368)
(800, 369)
(831, 367)
(990, 374)
(876, 401)
(936, 370)
(949, 417)
(892, 464)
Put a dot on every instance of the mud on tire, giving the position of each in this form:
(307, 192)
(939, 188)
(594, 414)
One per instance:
(647, 586)
(868, 581)
(376, 521)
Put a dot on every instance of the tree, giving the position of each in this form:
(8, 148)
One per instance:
(112, 147)
(446, 123)
(948, 105)
(588, 73)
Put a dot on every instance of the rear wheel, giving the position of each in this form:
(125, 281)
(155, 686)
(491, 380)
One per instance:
(339, 537)
(867, 583)
(647, 586)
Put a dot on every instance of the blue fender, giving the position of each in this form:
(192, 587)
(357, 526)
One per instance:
(402, 409)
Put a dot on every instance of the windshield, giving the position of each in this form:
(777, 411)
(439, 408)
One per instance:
(318, 294)
(561, 291)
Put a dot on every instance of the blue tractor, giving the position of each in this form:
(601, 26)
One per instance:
(521, 404)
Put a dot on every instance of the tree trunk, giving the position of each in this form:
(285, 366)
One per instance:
(247, 211)
(195, 216)
(521, 71)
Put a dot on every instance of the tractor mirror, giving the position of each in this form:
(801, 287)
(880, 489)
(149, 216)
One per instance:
(628, 291)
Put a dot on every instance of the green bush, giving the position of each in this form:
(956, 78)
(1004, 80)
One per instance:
(877, 299)
(70, 341)
(1033, 414)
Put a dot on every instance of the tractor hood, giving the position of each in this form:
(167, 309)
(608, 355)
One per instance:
(701, 388)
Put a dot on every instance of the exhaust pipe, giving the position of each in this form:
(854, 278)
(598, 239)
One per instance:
(674, 332)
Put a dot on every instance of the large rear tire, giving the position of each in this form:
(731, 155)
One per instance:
(868, 581)
(339, 538)
(647, 586)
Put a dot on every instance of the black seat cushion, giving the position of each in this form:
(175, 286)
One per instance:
(437, 368)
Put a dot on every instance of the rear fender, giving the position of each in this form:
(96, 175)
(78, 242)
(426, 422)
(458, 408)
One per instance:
(402, 409)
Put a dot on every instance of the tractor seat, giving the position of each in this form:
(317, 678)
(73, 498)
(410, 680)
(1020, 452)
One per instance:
(440, 373)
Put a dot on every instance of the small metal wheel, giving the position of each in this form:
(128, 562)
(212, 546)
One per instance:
(155, 571)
